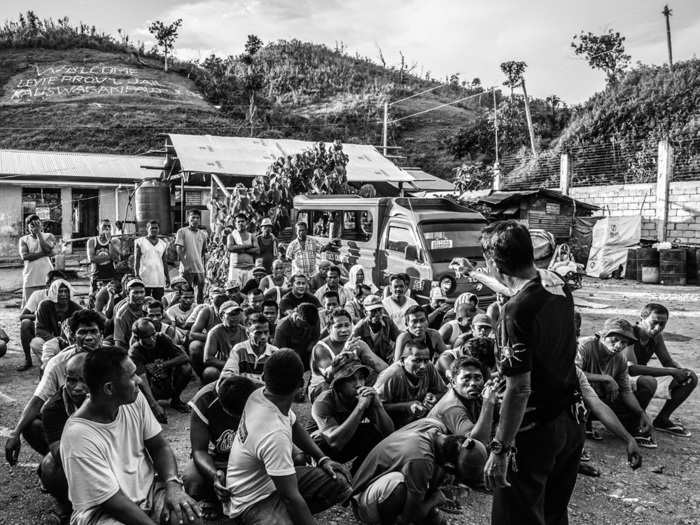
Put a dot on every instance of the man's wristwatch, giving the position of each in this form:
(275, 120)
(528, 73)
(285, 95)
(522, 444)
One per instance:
(498, 448)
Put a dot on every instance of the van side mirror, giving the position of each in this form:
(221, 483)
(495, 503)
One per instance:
(410, 253)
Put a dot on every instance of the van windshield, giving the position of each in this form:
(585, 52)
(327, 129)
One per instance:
(447, 240)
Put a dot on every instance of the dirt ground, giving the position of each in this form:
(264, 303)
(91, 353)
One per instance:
(666, 490)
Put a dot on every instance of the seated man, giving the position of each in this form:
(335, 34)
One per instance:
(468, 407)
(456, 332)
(339, 340)
(399, 481)
(299, 331)
(329, 302)
(28, 316)
(297, 295)
(318, 279)
(482, 326)
(178, 285)
(255, 299)
(274, 286)
(54, 415)
(356, 307)
(398, 301)
(350, 417)
(417, 331)
(333, 285)
(258, 273)
(607, 417)
(130, 311)
(673, 382)
(410, 387)
(248, 358)
(271, 310)
(154, 311)
(206, 317)
(221, 339)
(163, 367)
(51, 312)
(113, 448)
(87, 327)
(482, 349)
(437, 307)
(180, 311)
(216, 411)
(601, 359)
(263, 483)
(108, 295)
(377, 329)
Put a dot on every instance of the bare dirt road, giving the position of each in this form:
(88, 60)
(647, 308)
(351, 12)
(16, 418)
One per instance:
(666, 490)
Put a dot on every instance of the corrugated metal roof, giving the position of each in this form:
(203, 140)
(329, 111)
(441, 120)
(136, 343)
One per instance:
(502, 198)
(427, 182)
(88, 166)
(250, 157)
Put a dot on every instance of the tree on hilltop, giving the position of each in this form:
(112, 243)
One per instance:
(605, 52)
(514, 71)
(165, 36)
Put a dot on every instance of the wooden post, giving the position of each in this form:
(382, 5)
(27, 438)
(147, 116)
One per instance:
(564, 173)
(530, 129)
(663, 181)
(385, 127)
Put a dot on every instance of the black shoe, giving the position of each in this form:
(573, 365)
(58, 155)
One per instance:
(26, 366)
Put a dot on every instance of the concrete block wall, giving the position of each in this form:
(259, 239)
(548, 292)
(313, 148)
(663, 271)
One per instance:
(634, 199)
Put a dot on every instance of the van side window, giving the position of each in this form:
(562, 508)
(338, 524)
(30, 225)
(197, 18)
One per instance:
(398, 238)
(357, 225)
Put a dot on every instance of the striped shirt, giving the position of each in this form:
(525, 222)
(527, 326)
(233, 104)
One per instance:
(245, 362)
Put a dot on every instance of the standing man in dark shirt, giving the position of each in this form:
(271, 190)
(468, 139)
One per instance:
(535, 455)
(298, 294)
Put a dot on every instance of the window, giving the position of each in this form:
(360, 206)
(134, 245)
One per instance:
(46, 203)
(398, 238)
(357, 226)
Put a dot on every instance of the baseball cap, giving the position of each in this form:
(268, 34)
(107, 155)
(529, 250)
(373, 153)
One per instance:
(177, 280)
(345, 365)
(228, 306)
(134, 282)
(266, 222)
(436, 294)
(482, 320)
(465, 298)
(618, 326)
(372, 302)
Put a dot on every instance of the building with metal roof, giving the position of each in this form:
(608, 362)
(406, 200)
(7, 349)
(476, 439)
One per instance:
(251, 157)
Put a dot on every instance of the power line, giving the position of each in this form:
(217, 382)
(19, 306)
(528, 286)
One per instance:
(436, 107)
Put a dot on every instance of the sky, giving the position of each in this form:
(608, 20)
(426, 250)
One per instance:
(440, 36)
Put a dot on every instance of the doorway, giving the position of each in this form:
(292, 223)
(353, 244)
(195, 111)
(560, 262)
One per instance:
(85, 208)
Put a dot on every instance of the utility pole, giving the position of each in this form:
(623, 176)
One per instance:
(667, 13)
(385, 126)
(495, 121)
(530, 129)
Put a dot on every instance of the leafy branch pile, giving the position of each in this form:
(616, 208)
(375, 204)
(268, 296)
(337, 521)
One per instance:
(320, 170)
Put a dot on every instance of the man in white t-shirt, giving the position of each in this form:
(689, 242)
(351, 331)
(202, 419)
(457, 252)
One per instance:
(397, 303)
(150, 263)
(262, 482)
(113, 447)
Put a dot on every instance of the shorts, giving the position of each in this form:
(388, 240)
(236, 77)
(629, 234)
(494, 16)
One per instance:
(154, 505)
(240, 275)
(366, 504)
(663, 386)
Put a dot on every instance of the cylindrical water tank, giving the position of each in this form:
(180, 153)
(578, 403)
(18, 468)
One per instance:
(152, 202)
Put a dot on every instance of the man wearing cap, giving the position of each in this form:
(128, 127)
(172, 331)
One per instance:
(602, 360)
(257, 274)
(221, 339)
(177, 284)
(377, 330)
(267, 243)
(243, 247)
(129, 312)
(232, 289)
(350, 416)
(248, 357)
(399, 481)
(436, 308)
(333, 285)
(297, 295)
(163, 367)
